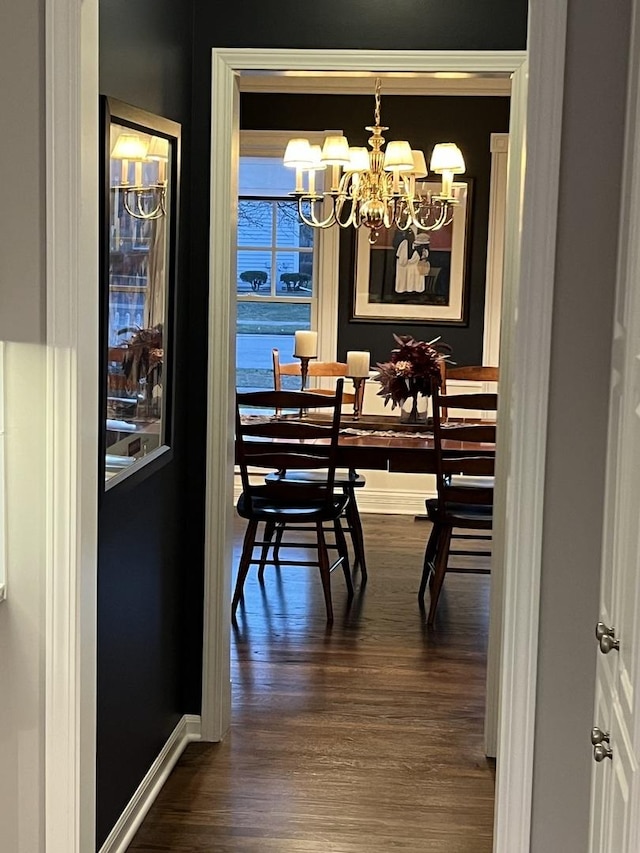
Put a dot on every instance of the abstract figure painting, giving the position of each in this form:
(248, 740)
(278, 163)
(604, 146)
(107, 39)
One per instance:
(415, 276)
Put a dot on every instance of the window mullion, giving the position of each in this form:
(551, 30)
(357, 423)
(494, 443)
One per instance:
(274, 248)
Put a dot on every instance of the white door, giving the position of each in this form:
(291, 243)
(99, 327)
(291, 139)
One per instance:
(615, 791)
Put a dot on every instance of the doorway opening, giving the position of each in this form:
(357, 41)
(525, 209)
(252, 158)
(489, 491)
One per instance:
(518, 541)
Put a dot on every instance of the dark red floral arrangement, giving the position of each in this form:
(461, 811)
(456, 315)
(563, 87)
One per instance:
(144, 356)
(410, 370)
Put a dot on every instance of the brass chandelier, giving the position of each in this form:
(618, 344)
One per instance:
(377, 188)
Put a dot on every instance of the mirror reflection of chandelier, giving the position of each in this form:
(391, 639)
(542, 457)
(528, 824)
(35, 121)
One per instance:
(377, 189)
(142, 199)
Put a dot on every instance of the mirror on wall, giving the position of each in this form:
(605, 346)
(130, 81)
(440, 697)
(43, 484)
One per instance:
(139, 234)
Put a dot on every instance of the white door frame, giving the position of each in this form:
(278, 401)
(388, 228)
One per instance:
(499, 147)
(529, 277)
(72, 292)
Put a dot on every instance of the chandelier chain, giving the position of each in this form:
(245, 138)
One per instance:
(376, 113)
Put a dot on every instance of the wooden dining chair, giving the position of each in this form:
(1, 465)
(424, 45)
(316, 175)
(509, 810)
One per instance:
(460, 504)
(469, 373)
(346, 480)
(271, 444)
(316, 369)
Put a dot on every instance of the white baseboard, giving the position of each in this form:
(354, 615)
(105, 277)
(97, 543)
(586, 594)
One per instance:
(187, 730)
(380, 500)
(391, 501)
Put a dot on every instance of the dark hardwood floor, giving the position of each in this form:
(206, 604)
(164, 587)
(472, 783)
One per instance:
(366, 737)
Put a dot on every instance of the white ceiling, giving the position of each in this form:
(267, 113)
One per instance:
(360, 83)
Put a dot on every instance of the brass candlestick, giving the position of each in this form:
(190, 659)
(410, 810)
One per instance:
(358, 388)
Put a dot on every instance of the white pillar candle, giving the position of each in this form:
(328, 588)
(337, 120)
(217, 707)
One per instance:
(357, 363)
(306, 344)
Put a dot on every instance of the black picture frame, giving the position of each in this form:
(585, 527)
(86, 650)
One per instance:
(138, 231)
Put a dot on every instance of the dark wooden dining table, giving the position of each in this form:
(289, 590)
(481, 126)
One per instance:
(364, 444)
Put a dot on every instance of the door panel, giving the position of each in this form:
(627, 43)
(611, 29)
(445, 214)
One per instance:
(601, 782)
(615, 779)
(622, 772)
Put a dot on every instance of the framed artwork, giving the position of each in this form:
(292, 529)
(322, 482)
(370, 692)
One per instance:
(139, 218)
(415, 276)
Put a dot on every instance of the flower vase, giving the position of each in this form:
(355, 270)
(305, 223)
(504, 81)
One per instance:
(414, 410)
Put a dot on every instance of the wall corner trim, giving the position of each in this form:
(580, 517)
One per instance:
(120, 837)
(69, 146)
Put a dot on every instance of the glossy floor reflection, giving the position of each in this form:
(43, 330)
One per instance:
(359, 738)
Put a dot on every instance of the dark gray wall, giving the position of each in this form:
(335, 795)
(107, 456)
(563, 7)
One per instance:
(150, 596)
(370, 24)
(470, 121)
(146, 587)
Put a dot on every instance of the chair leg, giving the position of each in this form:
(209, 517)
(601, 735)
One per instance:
(245, 562)
(357, 537)
(341, 542)
(429, 557)
(344, 553)
(440, 569)
(269, 529)
(325, 574)
(278, 540)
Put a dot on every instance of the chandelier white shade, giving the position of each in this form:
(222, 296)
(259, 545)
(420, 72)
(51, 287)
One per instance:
(129, 146)
(375, 188)
(142, 199)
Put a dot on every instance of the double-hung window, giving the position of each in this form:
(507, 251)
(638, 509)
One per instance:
(278, 264)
